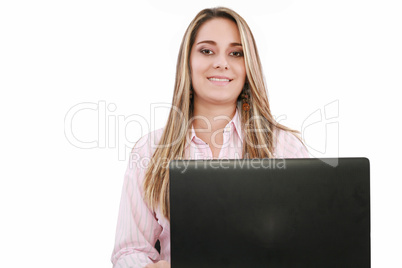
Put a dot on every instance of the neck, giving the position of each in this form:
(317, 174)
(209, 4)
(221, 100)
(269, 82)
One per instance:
(213, 117)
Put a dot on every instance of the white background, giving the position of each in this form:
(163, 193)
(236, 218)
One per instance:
(59, 202)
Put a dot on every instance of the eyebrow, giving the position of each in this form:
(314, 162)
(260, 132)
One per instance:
(234, 44)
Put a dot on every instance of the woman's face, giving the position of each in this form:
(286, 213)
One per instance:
(217, 65)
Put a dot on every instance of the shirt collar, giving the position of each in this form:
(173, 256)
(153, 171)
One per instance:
(236, 121)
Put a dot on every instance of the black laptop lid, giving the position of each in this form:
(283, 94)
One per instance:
(270, 213)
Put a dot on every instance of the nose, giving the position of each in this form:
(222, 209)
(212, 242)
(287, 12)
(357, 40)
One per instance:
(221, 63)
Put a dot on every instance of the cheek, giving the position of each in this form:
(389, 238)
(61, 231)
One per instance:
(194, 67)
(198, 65)
(198, 71)
(240, 69)
(241, 74)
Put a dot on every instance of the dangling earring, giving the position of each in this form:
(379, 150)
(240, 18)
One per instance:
(191, 92)
(246, 99)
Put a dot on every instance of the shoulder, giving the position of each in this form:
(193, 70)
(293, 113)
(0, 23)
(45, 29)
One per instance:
(144, 148)
(148, 143)
(139, 159)
(288, 145)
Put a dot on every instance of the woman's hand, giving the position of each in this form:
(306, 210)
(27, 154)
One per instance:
(159, 264)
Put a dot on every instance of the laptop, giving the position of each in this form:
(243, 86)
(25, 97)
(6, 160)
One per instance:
(270, 213)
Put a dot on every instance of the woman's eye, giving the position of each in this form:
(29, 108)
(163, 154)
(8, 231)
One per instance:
(236, 53)
(206, 51)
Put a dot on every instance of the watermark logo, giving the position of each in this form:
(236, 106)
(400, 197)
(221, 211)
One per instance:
(320, 132)
(112, 129)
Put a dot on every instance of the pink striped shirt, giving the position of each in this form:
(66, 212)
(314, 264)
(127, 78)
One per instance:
(138, 227)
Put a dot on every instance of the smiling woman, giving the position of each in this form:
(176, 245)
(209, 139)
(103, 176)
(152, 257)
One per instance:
(220, 110)
(217, 65)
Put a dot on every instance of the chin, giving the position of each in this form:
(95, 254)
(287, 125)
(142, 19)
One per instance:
(221, 101)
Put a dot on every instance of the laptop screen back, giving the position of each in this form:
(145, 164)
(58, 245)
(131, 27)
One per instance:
(270, 213)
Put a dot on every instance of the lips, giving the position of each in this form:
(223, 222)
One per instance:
(219, 78)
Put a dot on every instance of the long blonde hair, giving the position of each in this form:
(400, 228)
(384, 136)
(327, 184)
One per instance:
(257, 144)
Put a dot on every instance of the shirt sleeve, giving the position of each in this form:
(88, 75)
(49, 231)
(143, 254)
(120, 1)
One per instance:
(137, 226)
(288, 145)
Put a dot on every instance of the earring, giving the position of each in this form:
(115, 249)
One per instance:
(246, 99)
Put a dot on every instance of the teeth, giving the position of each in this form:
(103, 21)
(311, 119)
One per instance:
(218, 79)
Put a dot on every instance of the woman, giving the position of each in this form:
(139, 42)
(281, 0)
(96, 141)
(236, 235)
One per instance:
(220, 110)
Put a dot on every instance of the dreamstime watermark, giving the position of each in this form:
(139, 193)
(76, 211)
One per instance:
(319, 130)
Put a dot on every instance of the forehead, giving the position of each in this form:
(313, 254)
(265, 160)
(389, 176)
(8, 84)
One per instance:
(220, 30)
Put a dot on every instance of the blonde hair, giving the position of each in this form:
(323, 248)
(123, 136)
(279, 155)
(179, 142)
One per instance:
(257, 144)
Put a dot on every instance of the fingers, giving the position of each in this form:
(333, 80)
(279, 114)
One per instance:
(160, 264)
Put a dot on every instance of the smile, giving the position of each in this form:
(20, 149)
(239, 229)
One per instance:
(219, 79)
